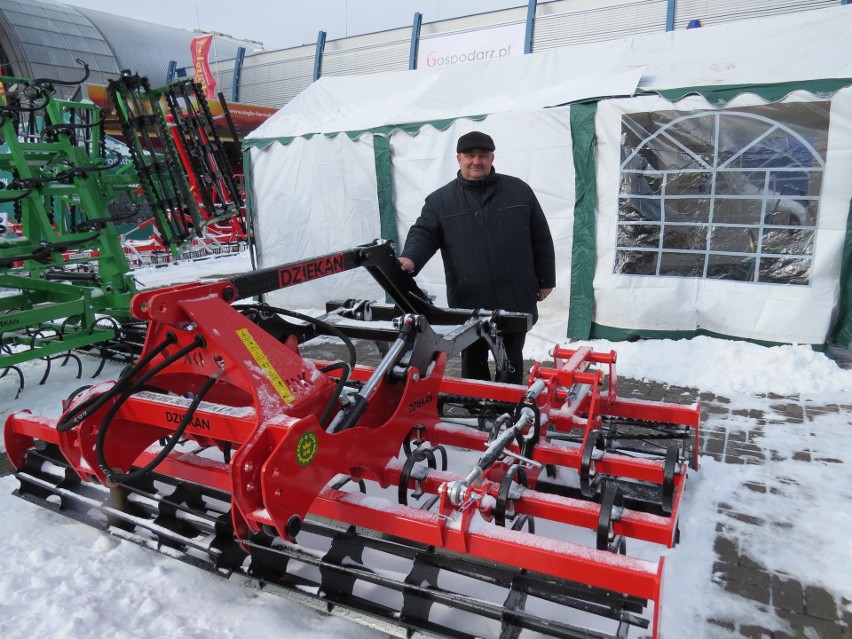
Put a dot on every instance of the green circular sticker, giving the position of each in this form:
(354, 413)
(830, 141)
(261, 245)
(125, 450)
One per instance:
(306, 449)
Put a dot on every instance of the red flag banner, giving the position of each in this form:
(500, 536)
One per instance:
(200, 47)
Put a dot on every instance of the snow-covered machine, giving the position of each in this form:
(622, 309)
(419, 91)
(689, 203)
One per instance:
(394, 494)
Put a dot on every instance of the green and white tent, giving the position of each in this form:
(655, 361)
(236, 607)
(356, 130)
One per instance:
(696, 182)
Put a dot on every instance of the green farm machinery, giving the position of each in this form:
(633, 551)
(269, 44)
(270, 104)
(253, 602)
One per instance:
(65, 283)
(65, 271)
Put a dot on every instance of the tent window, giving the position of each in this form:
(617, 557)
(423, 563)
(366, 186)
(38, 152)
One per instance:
(722, 194)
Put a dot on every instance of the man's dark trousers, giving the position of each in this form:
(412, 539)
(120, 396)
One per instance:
(475, 358)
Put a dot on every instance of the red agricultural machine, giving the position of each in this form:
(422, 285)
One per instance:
(406, 499)
(189, 182)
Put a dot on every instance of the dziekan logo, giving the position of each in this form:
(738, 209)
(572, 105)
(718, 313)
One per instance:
(301, 273)
(435, 60)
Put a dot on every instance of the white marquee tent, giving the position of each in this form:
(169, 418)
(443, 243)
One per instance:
(695, 181)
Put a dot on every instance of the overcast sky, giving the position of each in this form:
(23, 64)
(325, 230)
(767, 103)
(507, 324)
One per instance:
(289, 23)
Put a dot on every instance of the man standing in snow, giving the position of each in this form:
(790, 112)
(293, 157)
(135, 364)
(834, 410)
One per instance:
(495, 243)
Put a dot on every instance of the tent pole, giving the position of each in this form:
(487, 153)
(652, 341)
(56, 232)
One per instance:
(670, 15)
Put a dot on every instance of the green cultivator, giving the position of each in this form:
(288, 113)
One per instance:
(64, 281)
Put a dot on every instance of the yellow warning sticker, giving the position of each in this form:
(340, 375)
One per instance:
(260, 357)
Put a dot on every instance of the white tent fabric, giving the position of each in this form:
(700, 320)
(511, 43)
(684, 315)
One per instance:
(319, 197)
(524, 83)
(769, 312)
(313, 170)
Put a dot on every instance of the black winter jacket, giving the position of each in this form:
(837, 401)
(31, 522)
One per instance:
(494, 240)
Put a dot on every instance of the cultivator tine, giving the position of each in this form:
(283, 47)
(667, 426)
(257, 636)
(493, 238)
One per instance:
(113, 351)
(35, 335)
(116, 349)
(20, 378)
(65, 357)
(511, 487)
(69, 356)
(102, 353)
(612, 507)
(409, 473)
(590, 480)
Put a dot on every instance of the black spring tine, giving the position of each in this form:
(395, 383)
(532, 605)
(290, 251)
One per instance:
(70, 355)
(46, 371)
(20, 378)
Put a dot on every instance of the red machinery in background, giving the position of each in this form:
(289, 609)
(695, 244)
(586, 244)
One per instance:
(191, 185)
(395, 494)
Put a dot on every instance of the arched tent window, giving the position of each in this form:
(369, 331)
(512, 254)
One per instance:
(722, 194)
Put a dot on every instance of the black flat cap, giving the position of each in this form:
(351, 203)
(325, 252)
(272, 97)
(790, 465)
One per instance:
(474, 140)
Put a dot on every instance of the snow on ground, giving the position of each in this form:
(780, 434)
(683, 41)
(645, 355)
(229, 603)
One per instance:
(806, 536)
(63, 579)
(722, 367)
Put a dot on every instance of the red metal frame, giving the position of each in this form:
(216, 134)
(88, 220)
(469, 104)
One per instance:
(265, 404)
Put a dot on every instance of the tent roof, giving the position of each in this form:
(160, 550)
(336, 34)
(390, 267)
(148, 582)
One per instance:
(792, 47)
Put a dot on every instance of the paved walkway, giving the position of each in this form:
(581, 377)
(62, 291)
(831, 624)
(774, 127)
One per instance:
(811, 611)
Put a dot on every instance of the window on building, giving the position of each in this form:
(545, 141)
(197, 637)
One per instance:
(727, 194)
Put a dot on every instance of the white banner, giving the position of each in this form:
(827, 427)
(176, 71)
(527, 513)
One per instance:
(472, 46)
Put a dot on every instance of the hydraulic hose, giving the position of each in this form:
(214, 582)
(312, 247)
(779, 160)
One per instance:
(85, 408)
(137, 385)
(338, 391)
(118, 477)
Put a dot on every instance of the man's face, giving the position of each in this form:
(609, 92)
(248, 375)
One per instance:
(475, 164)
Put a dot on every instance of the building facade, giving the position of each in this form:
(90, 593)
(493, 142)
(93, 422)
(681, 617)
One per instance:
(45, 38)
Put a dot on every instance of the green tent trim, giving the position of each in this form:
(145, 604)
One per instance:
(841, 332)
(249, 204)
(412, 128)
(719, 96)
(582, 295)
(384, 188)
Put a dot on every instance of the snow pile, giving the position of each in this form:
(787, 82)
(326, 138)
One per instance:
(724, 367)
